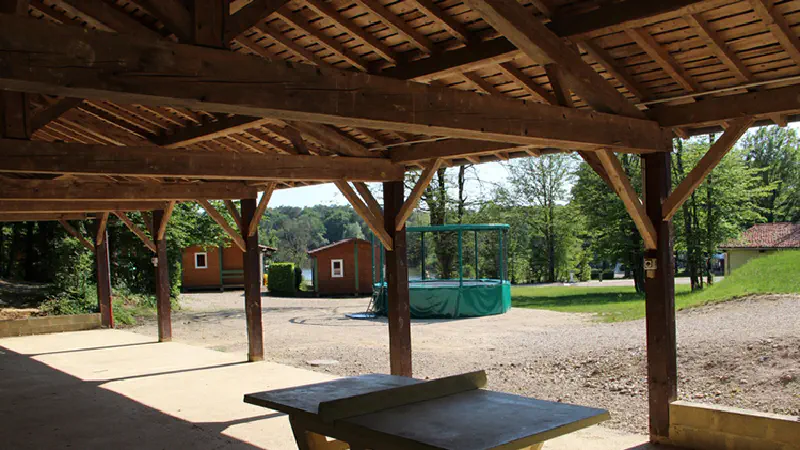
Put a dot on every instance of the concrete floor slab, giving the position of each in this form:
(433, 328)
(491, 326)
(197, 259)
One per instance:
(121, 390)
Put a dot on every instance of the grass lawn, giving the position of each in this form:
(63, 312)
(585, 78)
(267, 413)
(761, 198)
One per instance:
(771, 274)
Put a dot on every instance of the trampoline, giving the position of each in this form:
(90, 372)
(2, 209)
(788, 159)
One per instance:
(471, 281)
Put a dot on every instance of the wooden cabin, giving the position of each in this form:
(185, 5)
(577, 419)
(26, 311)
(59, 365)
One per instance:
(342, 268)
(216, 267)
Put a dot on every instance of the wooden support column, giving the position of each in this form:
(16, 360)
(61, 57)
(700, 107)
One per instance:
(660, 299)
(163, 305)
(397, 282)
(102, 265)
(252, 282)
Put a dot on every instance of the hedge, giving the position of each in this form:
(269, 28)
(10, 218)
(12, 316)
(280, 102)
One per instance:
(281, 278)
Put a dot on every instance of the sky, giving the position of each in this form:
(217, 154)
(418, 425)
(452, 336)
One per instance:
(328, 194)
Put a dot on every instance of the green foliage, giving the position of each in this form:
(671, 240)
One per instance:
(281, 279)
(774, 152)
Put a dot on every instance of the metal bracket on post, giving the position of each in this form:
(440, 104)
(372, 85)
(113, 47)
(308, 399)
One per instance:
(650, 267)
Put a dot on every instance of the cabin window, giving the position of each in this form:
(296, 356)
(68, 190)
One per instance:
(337, 268)
(201, 260)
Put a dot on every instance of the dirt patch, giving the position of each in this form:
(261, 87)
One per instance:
(743, 353)
(20, 300)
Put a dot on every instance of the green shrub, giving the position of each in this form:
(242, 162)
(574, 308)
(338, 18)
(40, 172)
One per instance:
(298, 277)
(281, 278)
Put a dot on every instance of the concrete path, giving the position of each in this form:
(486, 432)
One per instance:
(116, 389)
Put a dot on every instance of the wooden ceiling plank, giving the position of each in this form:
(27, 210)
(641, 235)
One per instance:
(77, 235)
(778, 26)
(444, 20)
(718, 46)
(252, 227)
(173, 15)
(536, 41)
(62, 207)
(330, 43)
(662, 57)
(254, 47)
(249, 16)
(707, 163)
(223, 126)
(40, 217)
(536, 91)
(329, 11)
(314, 95)
(53, 112)
(624, 189)
(615, 69)
(403, 27)
(374, 223)
(220, 220)
(293, 47)
(116, 19)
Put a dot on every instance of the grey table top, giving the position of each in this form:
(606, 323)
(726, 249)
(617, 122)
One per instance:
(472, 420)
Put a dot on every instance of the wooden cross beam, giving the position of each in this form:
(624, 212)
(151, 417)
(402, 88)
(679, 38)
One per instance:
(37, 59)
(374, 223)
(366, 195)
(249, 15)
(136, 230)
(101, 191)
(416, 193)
(260, 209)
(713, 156)
(40, 217)
(62, 207)
(101, 228)
(625, 191)
(162, 226)
(53, 112)
(83, 159)
(76, 234)
(217, 217)
(234, 212)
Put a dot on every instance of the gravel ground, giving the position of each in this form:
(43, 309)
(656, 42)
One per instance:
(743, 353)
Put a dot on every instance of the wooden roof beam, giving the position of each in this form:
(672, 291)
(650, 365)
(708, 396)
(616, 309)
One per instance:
(249, 16)
(312, 95)
(40, 217)
(222, 222)
(62, 207)
(162, 226)
(616, 70)
(77, 235)
(624, 189)
(393, 21)
(662, 57)
(223, 126)
(375, 223)
(707, 163)
(82, 159)
(543, 46)
(115, 18)
(536, 91)
(53, 112)
(416, 193)
(717, 45)
(779, 27)
(102, 223)
(173, 15)
(444, 20)
(136, 230)
(101, 191)
(366, 195)
(233, 210)
(451, 148)
(252, 227)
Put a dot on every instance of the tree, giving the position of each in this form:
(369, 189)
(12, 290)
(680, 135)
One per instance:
(774, 150)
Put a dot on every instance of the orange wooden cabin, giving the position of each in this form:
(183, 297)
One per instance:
(216, 267)
(343, 267)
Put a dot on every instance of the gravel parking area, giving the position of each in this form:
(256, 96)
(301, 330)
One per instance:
(743, 353)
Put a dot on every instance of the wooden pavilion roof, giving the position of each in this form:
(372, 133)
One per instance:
(689, 66)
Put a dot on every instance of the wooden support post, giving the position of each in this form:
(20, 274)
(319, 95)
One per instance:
(397, 282)
(660, 299)
(252, 283)
(102, 265)
(163, 305)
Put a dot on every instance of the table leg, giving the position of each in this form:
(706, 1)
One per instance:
(307, 440)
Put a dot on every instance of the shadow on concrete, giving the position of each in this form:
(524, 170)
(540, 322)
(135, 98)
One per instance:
(90, 349)
(172, 372)
(44, 408)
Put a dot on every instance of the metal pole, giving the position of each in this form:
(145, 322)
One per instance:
(355, 255)
(460, 258)
(476, 256)
(372, 255)
(500, 254)
(422, 244)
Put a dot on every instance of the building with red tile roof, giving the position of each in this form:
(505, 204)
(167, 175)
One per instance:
(760, 239)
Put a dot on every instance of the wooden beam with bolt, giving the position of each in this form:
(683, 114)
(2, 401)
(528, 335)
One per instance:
(77, 235)
(217, 217)
(707, 163)
(136, 230)
(625, 191)
(416, 193)
(374, 223)
(252, 227)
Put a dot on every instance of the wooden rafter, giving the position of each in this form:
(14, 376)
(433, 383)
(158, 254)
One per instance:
(366, 195)
(713, 156)
(562, 96)
(374, 223)
(543, 46)
(624, 189)
(162, 226)
(217, 217)
(779, 27)
(233, 210)
(449, 149)
(331, 138)
(416, 193)
(396, 22)
(82, 159)
(53, 112)
(252, 227)
(102, 222)
(223, 126)
(173, 14)
(616, 70)
(528, 85)
(77, 235)
(423, 109)
(70, 190)
(136, 230)
(116, 19)
(718, 46)
(74, 206)
(40, 217)
(249, 15)
(663, 59)
(446, 21)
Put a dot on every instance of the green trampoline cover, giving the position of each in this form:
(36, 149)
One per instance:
(447, 299)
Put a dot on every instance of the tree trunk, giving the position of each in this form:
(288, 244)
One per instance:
(30, 257)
